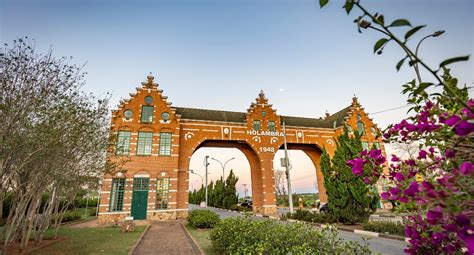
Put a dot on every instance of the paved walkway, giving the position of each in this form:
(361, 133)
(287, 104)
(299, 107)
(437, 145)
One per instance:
(167, 237)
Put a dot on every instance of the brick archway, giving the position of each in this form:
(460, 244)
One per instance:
(161, 138)
(314, 153)
(263, 198)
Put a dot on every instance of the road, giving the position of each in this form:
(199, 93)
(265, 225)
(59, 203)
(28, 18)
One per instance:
(376, 244)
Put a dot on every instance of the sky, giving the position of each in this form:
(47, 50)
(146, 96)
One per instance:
(220, 54)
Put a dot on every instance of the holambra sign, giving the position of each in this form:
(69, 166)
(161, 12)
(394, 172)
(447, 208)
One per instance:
(265, 133)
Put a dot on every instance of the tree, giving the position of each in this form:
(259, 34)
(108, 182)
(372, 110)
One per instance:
(53, 139)
(230, 198)
(280, 182)
(348, 197)
(434, 187)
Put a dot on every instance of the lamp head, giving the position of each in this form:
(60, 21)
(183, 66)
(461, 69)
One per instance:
(438, 33)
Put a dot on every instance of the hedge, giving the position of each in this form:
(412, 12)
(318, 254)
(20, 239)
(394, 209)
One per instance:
(393, 228)
(243, 236)
(308, 216)
(203, 218)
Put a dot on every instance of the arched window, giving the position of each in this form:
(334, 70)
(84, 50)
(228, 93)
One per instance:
(360, 127)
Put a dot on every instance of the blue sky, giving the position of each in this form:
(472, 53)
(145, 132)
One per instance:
(219, 54)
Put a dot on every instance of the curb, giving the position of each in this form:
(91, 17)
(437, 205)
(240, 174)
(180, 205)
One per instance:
(194, 243)
(356, 231)
(139, 240)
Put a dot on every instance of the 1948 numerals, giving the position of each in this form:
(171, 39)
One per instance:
(267, 149)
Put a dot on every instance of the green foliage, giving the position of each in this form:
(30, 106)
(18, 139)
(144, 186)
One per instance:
(308, 216)
(71, 216)
(220, 194)
(393, 228)
(244, 236)
(349, 199)
(203, 218)
(400, 22)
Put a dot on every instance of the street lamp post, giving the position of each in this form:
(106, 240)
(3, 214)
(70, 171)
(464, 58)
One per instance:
(222, 165)
(435, 34)
(206, 164)
(202, 180)
(287, 167)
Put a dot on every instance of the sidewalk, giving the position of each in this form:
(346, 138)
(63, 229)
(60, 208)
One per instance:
(166, 237)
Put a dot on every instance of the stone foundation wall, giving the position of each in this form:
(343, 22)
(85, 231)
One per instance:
(153, 216)
(111, 218)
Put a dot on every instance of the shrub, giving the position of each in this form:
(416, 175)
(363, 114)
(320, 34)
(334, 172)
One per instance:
(71, 216)
(394, 228)
(308, 216)
(92, 211)
(243, 236)
(203, 218)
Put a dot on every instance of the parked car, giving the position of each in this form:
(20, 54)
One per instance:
(247, 204)
(323, 208)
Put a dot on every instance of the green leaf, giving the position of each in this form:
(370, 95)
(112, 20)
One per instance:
(348, 6)
(400, 63)
(380, 20)
(400, 22)
(380, 43)
(422, 87)
(413, 31)
(322, 3)
(453, 60)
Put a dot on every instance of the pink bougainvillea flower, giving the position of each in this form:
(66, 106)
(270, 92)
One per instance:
(403, 200)
(357, 165)
(399, 176)
(412, 189)
(433, 216)
(449, 153)
(464, 128)
(437, 238)
(462, 220)
(453, 120)
(467, 235)
(395, 158)
(375, 154)
(422, 154)
(380, 160)
(427, 185)
(466, 168)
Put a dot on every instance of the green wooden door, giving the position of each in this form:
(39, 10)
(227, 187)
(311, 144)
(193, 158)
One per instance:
(140, 198)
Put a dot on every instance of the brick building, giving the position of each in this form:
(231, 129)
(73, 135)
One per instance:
(156, 140)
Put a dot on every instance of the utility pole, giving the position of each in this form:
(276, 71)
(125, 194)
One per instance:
(206, 164)
(287, 167)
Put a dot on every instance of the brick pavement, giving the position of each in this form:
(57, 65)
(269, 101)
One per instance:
(167, 237)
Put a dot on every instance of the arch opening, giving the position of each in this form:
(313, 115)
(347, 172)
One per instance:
(246, 166)
(307, 180)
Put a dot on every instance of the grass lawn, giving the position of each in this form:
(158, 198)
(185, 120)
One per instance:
(202, 237)
(107, 240)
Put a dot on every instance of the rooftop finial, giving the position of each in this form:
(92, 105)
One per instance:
(354, 100)
(262, 94)
(150, 79)
(327, 114)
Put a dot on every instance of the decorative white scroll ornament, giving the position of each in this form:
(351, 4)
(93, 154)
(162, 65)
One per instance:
(188, 135)
(257, 139)
(330, 142)
(273, 140)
